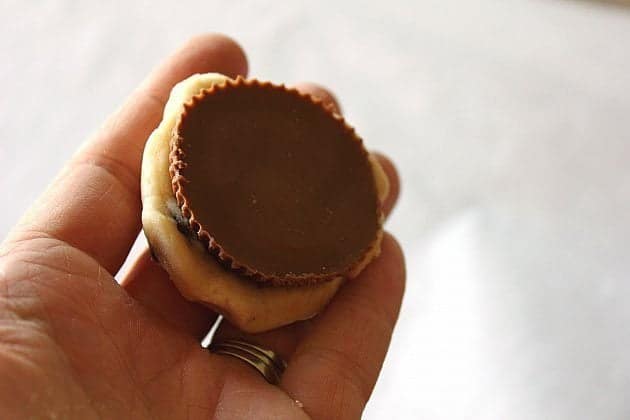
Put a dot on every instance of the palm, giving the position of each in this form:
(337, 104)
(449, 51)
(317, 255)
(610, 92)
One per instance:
(74, 344)
(111, 357)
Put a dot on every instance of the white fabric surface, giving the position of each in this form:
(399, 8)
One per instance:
(509, 121)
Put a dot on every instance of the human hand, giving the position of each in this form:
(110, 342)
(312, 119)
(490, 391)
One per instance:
(74, 344)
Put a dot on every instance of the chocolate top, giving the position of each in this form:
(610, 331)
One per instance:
(274, 184)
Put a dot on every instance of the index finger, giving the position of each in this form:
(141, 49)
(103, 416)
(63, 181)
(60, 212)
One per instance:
(94, 203)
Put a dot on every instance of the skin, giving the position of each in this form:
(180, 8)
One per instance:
(74, 344)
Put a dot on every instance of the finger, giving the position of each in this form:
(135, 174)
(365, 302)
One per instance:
(335, 367)
(321, 93)
(287, 340)
(394, 183)
(94, 204)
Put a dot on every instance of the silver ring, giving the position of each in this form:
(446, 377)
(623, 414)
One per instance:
(267, 362)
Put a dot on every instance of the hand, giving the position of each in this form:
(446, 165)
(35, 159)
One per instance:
(74, 344)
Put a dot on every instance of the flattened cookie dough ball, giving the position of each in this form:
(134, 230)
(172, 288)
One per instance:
(258, 200)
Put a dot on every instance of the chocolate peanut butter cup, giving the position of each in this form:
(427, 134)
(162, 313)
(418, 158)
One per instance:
(274, 184)
(257, 200)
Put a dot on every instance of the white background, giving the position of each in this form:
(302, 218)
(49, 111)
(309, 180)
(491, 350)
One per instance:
(509, 121)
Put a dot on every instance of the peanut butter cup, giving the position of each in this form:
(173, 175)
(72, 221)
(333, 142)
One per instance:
(274, 185)
(257, 200)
